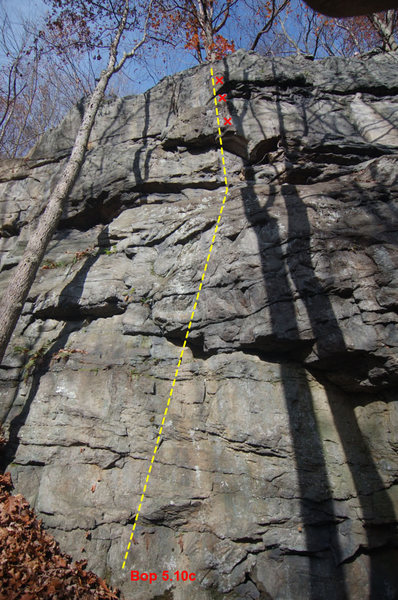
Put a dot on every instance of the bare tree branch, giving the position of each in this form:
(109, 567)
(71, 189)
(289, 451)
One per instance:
(276, 10)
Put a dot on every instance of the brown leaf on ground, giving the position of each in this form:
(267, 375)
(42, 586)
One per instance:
(32, 567)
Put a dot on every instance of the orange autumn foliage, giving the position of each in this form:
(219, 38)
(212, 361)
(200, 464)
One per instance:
(197, 23)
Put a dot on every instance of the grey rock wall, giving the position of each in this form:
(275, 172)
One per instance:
(276, 477)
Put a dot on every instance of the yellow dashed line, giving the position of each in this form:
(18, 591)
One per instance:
(188, 328)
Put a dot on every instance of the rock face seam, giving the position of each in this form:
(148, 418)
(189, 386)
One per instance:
(279, 454)
(158, 439)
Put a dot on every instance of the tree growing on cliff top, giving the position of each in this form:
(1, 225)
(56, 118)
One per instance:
(316, 35)
(37, 87)
(199, 23)
(99, 26)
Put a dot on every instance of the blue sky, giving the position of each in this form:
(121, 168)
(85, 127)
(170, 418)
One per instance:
(144, 74)
(22, 8)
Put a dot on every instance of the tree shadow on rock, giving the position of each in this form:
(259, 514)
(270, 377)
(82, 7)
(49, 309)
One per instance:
(288, 272)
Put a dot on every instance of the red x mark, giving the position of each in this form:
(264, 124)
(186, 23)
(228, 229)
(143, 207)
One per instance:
(219, 80)
(227, 121)
(222, 97)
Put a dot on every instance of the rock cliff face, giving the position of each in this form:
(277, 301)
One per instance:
(276, 477)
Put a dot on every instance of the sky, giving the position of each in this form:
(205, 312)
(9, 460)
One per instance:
(23, 8)
(142, 75)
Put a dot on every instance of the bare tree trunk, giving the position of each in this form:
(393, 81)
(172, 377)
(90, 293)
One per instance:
(385, 29)
(18, 288)
(205, 14)
(276, 10)
(22, 280)
(32, 93)
(289, 38)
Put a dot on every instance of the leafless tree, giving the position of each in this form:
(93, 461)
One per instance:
(317, 35)
(12, 82)
(268, 12)
(22, 279)
(195, 25)
(386, 24)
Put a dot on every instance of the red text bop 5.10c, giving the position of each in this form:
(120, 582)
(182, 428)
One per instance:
(166, 576)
